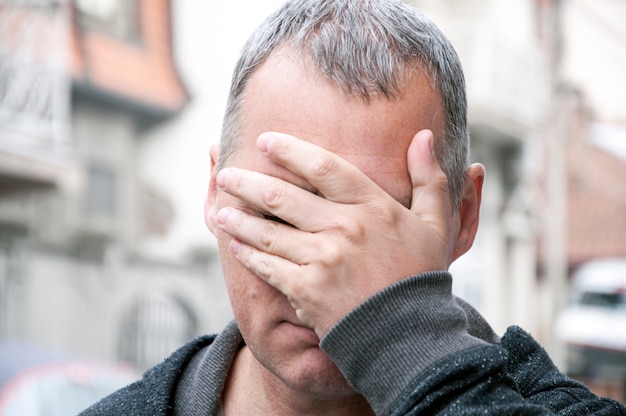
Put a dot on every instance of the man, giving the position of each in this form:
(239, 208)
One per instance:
(336, 225)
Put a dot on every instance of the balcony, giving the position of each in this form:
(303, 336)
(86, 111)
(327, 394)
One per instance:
(35, 149)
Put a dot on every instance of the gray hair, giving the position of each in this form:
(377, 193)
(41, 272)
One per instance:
(364, 47)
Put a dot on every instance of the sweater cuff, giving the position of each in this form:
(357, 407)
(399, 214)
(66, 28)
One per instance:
(385, 344)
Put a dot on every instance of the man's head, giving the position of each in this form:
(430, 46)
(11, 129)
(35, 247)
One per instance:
(368, 49)
(359, 78)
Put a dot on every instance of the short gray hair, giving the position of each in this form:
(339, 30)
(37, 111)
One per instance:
(364, 47)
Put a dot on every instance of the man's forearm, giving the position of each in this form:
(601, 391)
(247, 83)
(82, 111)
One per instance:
(408, 351)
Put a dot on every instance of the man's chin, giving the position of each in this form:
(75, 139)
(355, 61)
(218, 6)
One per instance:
(304, 367)
(324, 382)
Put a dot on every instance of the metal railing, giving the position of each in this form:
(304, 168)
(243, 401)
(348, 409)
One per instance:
(34, 71)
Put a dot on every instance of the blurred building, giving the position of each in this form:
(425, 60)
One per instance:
(82, 84)
(554, 196)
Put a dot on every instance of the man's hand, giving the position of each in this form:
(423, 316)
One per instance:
(345, 243)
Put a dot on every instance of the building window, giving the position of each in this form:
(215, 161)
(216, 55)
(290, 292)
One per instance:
(119, 18)
(100, 193)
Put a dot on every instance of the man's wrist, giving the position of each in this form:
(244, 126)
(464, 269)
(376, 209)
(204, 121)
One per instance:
(403, 329)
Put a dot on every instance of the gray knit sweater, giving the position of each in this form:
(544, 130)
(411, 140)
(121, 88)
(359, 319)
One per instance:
(411, 349)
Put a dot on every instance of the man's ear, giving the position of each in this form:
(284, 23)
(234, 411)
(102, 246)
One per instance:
(210, 203)
(469, 211)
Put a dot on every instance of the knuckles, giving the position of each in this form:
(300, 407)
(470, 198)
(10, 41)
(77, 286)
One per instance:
(268, 235)
(274, 195)
(323, 166)
(264, 268)
(441, 182)
(330, 254)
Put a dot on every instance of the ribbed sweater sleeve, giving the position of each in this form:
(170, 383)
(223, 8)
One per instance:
(396, 335)
(407, 350)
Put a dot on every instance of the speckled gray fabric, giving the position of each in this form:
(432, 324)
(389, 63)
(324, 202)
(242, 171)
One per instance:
(154, 394)
(540, 382)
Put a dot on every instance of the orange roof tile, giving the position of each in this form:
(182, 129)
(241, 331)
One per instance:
(142, 72)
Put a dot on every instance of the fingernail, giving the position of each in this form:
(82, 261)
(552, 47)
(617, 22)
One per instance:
(222, 178)
(431, 144)
(223, 214)
(263, 142)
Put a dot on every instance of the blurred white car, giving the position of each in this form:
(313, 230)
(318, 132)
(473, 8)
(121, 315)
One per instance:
(594, 324)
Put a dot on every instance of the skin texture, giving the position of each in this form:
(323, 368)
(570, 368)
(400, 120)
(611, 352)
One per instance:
(366, 205)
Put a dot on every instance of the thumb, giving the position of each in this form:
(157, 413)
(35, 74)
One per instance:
(431, 195)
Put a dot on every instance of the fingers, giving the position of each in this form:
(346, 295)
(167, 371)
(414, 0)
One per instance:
(267, 194)
(320, 168)
(269, 268)
(268, 236)
(345, 245)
